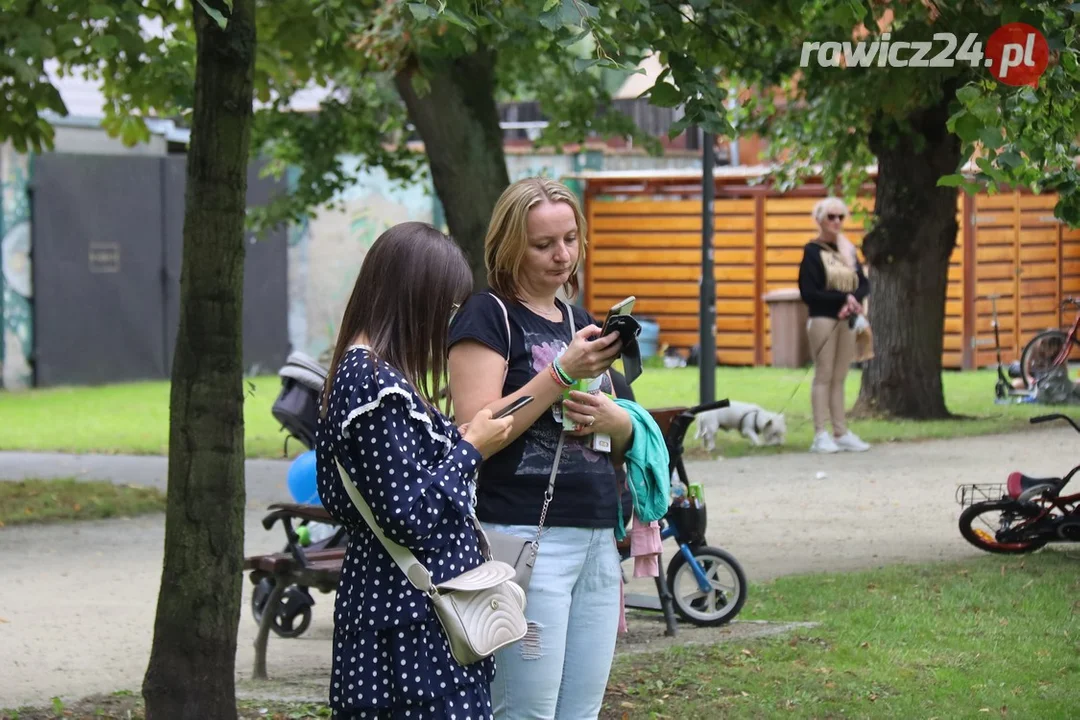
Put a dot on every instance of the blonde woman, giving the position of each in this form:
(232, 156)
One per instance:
(833, 286)
(534, 248)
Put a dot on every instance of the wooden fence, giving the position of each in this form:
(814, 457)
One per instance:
(645, 240)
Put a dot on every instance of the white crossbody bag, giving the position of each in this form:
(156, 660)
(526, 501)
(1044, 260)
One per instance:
(480, 610)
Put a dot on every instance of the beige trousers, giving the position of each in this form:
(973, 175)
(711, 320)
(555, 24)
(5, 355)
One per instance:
(832, 343)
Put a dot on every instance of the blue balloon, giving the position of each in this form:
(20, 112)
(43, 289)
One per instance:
(302, 483)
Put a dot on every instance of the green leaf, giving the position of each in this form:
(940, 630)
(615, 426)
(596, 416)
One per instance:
(1068, 61)
(1011, 13)
(104, 44)
(665, 95)
(966, 126)
(582, 64)
(1028, 95)
(955, 180)
(575, 38)
(551, 4)
(214, 14)
(420, 11)
(581, 8)
(968, 94)
(1010, 159)
(551, 20)
(991, 137)
(458, 19)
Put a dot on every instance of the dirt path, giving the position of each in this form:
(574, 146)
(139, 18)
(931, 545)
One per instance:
(77, 601)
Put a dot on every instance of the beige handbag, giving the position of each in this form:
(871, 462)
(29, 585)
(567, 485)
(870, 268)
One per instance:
(480, 610)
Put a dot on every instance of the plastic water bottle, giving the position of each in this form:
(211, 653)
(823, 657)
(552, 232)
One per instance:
(678, 491)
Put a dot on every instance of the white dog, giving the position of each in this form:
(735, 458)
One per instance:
(760, 426)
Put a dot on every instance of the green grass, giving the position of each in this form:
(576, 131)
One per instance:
(40, 501)
(987, 638)
(134, 418)
(992, 637)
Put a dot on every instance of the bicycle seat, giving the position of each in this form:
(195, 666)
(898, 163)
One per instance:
(1019, 482)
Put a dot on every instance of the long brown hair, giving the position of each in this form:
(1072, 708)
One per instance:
(410, 283)
(508, 233)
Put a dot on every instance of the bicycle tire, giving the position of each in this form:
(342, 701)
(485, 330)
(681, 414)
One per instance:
(696, 616)
(980, 538)
(1028, 356)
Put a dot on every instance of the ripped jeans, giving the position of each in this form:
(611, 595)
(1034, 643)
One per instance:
(560, 668)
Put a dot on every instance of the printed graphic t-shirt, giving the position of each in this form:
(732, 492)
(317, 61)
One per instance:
(512, 482)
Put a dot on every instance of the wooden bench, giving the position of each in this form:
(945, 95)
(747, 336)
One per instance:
(320, 569)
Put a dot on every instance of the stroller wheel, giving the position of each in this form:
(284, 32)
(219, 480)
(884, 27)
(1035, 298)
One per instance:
(259, 596)
(293, 615)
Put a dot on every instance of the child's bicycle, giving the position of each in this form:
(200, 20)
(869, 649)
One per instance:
(1022, 514)
(704, 584)
(1050, 349)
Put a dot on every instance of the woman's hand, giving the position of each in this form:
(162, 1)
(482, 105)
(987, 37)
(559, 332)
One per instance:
(597, 414)
(585, 358)
(851, 307)
(487, 435)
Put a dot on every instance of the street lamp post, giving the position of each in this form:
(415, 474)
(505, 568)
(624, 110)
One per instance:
(707, 310)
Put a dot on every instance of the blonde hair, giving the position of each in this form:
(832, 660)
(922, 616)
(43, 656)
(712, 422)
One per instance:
(508, 233)
(845, 247)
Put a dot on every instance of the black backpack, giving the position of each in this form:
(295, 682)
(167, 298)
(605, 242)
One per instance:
(297, 405)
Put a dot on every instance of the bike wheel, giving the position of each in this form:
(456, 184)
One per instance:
(1037, 359)
(722, 602)
(982, 523)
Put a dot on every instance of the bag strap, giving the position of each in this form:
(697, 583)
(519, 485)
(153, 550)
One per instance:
(414, 570)
(506, 319)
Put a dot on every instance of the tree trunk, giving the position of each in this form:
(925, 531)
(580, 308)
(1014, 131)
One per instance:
(459, 124)
(908, 254)
(191, 670)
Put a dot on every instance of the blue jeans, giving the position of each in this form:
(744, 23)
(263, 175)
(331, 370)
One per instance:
(560, 668)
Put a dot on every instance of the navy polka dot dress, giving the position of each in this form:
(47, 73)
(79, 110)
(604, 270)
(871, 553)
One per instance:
(390, 656)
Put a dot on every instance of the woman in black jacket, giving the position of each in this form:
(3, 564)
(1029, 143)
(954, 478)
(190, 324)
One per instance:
(833, 286)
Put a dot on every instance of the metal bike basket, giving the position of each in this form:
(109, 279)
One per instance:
(972, 493)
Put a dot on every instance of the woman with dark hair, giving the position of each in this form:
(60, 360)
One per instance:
(415, 470)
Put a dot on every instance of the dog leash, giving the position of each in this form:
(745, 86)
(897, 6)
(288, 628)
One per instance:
(806, 373)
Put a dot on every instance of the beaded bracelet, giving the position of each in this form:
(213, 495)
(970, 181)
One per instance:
(558, 378)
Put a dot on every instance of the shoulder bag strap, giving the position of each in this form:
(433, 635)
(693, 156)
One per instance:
(414, 570)
(550, 492)
(506, 319)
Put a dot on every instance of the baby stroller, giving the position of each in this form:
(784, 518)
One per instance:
(297, 409)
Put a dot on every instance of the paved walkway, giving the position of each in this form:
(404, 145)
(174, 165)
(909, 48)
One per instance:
(266, 479)
(77, 602)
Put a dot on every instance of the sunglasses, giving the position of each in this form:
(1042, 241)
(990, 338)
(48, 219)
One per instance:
(833, 217)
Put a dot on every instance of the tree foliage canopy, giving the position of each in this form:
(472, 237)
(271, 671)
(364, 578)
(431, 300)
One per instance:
(1018, 136)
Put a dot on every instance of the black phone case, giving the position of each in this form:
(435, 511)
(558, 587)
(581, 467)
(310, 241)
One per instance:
(628, 329)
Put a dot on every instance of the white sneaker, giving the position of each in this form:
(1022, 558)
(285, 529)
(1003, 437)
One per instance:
(851, 442)
(824, 443)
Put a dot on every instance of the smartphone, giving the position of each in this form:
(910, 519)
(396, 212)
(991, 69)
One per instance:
(513, 407)
(625, 307)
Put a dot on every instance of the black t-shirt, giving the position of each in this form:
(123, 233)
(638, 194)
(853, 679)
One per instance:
(512, 482)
